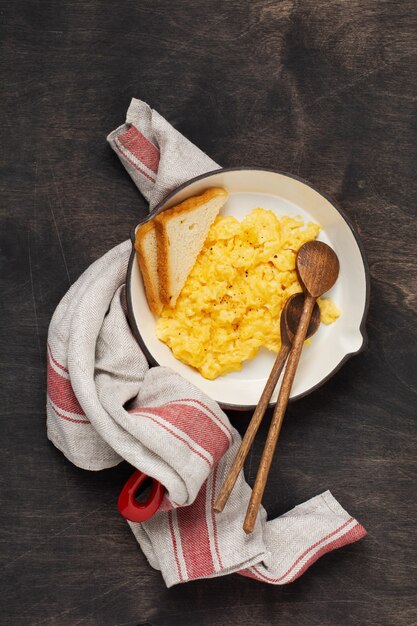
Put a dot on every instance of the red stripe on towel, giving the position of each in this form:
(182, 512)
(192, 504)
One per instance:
(195, 539)
(139, 169)
(143, 413)
(248, 573)
(216, 417)
(141, 148)
(304, 554)
(194, 423)
(354, 534)
(61, 392)
(68, 419)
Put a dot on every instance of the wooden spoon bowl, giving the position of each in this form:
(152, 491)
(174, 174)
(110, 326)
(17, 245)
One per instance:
(291, 315)
(318, 267)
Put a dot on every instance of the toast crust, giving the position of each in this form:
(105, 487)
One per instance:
(190, 203)
(152, 292)
(161, 221)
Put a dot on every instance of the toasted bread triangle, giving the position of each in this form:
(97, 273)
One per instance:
(180, 233)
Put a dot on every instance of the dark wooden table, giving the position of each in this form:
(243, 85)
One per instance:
(324, 89)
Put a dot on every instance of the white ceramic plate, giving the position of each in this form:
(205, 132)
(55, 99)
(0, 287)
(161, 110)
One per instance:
(330, 347)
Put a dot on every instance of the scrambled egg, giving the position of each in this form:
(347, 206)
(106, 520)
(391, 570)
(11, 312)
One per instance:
(231, 303)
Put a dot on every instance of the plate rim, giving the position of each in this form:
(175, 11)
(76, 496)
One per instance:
(160, 208)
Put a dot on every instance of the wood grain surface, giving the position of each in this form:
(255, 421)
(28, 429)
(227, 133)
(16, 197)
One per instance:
(324, 89)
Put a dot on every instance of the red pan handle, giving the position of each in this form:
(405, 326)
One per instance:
(139, 511)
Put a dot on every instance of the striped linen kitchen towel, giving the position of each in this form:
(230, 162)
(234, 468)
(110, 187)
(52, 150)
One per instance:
(105, 405)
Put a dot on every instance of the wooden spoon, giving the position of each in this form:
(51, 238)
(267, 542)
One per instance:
(289, 321)
(318, 269)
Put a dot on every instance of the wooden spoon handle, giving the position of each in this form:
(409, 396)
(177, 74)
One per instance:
(252, 429)
(278, 416)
